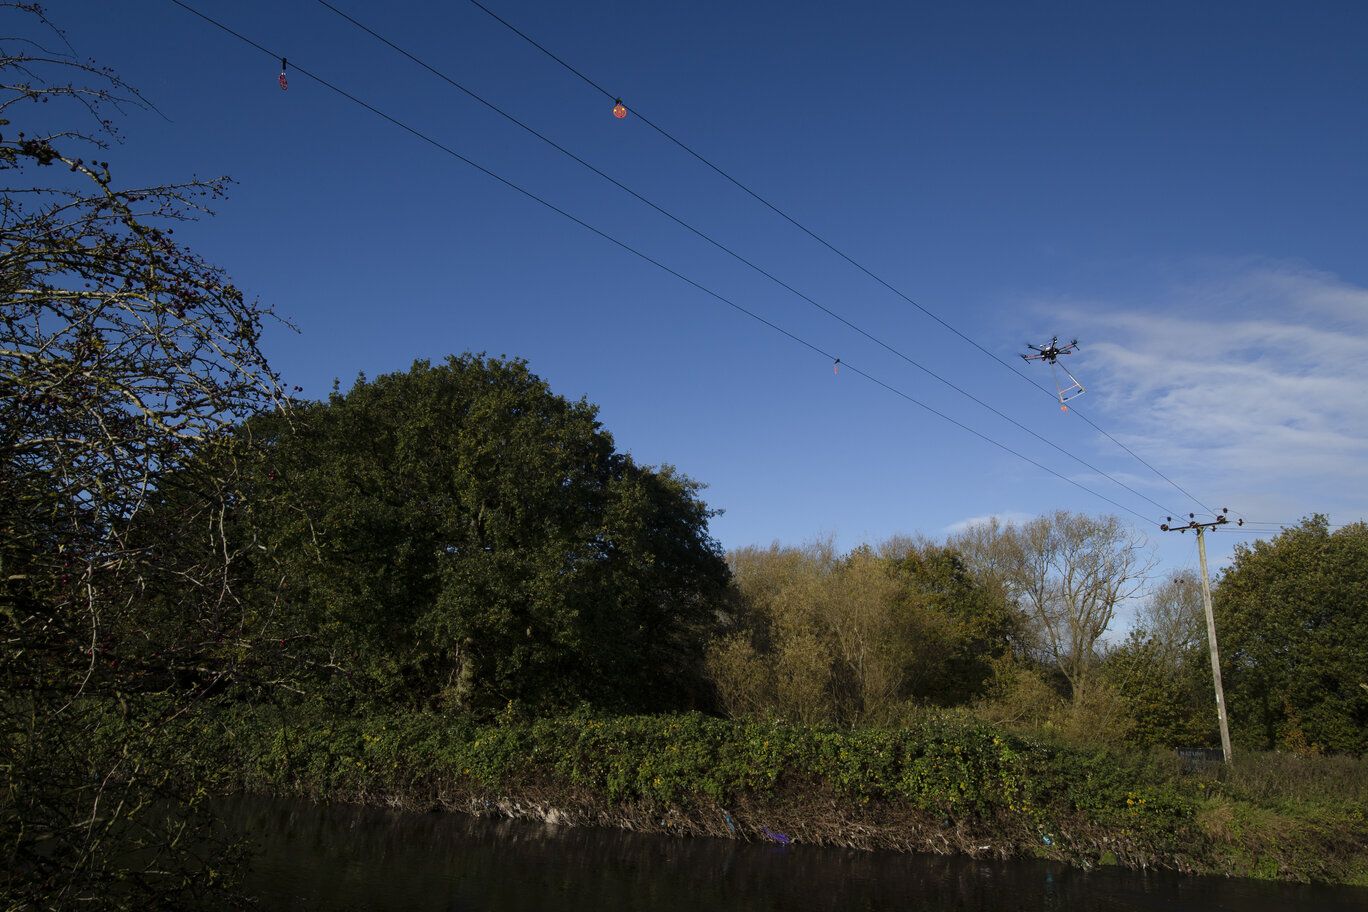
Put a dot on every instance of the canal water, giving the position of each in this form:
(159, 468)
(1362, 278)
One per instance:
(332, 858)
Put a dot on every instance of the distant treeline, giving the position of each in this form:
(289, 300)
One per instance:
(1009, 620)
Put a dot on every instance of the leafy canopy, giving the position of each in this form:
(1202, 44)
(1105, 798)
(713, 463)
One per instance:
(458, 533)
(1292, 618)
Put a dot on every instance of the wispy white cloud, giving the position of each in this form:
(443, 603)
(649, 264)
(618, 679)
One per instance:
(1008, 517)
(1251, 385)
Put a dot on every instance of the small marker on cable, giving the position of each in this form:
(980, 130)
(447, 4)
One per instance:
(284, 83)
(619, 109)
(836, 367)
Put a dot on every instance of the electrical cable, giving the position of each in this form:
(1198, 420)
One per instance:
(1183, 490)
(828, 245)
(732, 253)
(1292, 525)
(644, 256)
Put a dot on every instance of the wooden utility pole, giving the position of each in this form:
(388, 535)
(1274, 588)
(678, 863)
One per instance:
(1200, 529)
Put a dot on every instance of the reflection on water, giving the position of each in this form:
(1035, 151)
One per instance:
(347, 858)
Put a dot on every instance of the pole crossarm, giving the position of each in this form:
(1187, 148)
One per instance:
(1221, 519)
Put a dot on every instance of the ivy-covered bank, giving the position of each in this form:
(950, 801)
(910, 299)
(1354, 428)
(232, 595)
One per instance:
(943, 784)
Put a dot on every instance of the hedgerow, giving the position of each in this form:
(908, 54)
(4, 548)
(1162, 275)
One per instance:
(943, 773)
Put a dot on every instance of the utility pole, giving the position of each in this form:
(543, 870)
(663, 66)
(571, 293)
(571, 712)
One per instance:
(1200, 529)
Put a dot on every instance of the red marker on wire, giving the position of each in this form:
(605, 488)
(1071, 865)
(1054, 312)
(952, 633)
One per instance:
(836, 367)
(284, 83)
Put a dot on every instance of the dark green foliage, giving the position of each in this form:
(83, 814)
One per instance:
(1168, 695)
(947, 767)
(459, 533)
(1292, 617)
(941, 773)
(985, 624)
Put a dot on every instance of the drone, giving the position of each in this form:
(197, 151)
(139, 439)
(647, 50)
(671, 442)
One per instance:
(1049, 353)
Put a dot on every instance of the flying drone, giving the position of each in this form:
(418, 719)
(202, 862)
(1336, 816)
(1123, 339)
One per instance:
(1049, 353)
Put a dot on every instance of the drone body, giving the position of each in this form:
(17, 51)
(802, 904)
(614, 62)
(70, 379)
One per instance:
(1050, 354)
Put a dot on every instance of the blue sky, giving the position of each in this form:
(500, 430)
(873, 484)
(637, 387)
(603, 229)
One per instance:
(1184, 187)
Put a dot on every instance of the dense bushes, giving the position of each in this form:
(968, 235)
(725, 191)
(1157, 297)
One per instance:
(944, 765)
(939, 778)
(459, 537)
(868, 637)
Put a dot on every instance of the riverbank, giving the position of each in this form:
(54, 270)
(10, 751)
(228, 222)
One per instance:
(328, 857)
(945, 784)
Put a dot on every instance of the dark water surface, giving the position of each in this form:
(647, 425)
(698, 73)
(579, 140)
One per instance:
(342, 857)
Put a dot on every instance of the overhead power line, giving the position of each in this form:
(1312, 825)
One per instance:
(1250, 527)
(1290, 525)
(830, 357)
(737, 256)
(636, 113)
(1141, 460)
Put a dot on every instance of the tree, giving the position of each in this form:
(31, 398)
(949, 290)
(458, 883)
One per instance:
(458, 534)
(1162, 671)
(819, 636)
(776, 656)
(1167, 693)
(1174, 618)
(891, 640)
(989, 550)
(1068, 573)
(124, 359)
(1293, 620)
(983, 625)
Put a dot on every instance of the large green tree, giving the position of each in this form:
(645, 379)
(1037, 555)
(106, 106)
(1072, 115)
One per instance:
(1292, 618)
(459, 534)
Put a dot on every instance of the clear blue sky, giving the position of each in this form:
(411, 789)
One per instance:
(1183, 186)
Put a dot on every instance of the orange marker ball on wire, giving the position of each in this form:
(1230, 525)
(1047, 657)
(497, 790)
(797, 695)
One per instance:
(619, 109)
